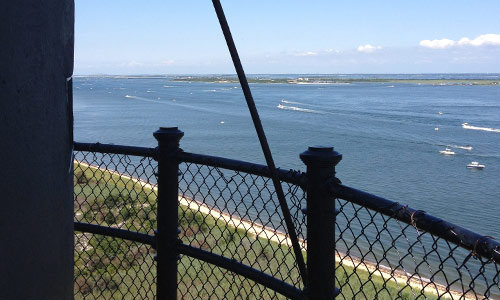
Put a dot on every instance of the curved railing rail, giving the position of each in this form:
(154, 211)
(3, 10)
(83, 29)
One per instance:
(232, 265)
(229, 264)
(484, 246)
(115, 149)
(116, 233)
(290, 176)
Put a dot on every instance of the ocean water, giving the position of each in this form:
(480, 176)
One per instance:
(385, 132)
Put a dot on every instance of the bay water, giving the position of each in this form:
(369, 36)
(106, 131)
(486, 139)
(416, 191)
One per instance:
(389, 134)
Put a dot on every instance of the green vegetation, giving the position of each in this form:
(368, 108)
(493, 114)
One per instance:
(109, 268)
(337, 80)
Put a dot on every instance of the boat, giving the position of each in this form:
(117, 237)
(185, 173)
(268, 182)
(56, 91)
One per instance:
(436, 128)
(447, 151)
(475, 165)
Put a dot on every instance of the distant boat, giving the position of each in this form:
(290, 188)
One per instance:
(447, 151)
(436, 128)
(475, 165)
(440, 112)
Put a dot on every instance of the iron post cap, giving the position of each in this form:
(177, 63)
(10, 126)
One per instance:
(321, 155)
(168, 133)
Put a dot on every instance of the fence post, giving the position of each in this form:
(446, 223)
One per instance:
(167, 216)
(320, 162)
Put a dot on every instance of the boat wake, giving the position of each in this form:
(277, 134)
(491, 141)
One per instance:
(142, 99)
(295, 108)
(467, 147)
(467, 126)
(300, 103)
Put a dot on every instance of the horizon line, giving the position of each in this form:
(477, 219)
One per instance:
(234, 74)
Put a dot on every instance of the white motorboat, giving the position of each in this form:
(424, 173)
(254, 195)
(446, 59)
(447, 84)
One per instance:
(475, 165)
(447, 151)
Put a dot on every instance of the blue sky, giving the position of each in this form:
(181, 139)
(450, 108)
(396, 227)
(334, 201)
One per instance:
(276, 36)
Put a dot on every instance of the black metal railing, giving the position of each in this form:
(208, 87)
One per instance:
(160, 223)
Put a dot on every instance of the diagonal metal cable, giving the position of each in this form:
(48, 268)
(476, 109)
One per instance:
(262, 137)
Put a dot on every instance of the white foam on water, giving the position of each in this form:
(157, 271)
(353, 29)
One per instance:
(467, 126)
(467, 147)
(300, 103)
(295, 108)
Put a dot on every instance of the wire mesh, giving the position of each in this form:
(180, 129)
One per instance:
(379, 257)
(235, 215)
(115, 190)
(118, 191)
(202, 280)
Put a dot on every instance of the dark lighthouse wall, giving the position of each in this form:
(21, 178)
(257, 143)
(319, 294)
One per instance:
(36, 201)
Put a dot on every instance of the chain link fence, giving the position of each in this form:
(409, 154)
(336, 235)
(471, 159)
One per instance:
(380, 257)
(233, 213)
(117, 191)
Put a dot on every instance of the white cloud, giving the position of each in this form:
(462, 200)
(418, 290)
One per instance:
(437, 44)
(308, 53)
(482, 40)
(368, 48)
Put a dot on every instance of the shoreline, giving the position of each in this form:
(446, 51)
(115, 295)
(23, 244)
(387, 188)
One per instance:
(329, 80)
(257, 230)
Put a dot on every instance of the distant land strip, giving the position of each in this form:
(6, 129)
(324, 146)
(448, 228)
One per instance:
(335, 80)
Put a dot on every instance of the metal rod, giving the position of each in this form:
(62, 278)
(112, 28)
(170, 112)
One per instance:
(262, 137)
(116, 232)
